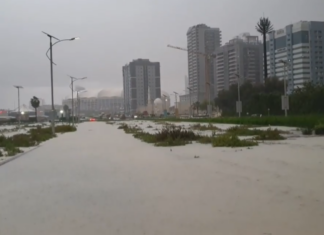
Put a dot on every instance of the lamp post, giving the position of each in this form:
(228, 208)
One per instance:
(176, 105)
(18, 88)
(190, 108)
(73, 79)
(61, 112)
(51, 61)
(239, 102)
(284, 98)
(165, 100)
(78, 102)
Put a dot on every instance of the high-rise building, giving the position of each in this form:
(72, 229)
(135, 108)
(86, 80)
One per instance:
(140, 77)
(300, 45)
(240, 56)
(201, 38)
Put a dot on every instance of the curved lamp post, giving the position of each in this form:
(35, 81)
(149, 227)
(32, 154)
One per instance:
(51, 60)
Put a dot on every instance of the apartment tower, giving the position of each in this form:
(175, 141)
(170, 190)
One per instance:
(140, 77)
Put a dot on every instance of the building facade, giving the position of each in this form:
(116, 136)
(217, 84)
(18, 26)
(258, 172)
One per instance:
(240, 56)
(107, 100)
(204, 39)
(300, 46)
(140, 77)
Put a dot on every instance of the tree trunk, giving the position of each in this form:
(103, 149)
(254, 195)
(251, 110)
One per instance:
(35, 114)
(265, 56)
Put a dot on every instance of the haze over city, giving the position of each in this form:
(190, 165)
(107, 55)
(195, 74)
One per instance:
(113, 33)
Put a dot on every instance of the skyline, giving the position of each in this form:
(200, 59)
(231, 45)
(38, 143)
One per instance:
(109, 40)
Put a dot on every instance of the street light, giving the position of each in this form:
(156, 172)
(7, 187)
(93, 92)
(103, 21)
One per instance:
(284, 98)
(73, 79)
(51, 61)
(18, 88)
(190, 108)
(81, 90)
(61, 112)
(239, 102)
(22, 113)
(176, 106)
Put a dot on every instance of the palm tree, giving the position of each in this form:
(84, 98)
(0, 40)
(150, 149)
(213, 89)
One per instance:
(264, 27)
(35, 103)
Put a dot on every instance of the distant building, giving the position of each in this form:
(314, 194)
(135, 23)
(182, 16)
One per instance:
(139, 77)
(201, 38)
(242, 56)
(108, 100)
(301, 46)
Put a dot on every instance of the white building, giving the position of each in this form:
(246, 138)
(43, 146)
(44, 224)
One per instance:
(108, 100)
(201, 38)
(301, 46)
(240, 56)
(140, 77)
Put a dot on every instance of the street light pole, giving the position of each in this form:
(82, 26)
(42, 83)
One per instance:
(176, 110)
(190, 108)
(239, 103)
(52, 85)
(18, 88)
(73, 79)
(285, 98)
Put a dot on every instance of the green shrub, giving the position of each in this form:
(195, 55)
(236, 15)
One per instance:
(168, 136)
(22, 140)
(205, 140)
(307, 131)
(11, 149)
(1, 154)
(243, 131)
(306, 121)
(319, 129)
(64, 128)
(270, 134)
(200, 127)
(230, 140)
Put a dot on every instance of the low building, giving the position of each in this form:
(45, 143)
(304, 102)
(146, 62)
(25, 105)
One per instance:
(109, 101)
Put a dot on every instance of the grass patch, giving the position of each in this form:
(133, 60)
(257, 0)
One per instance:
(231, 140)
(243, 131)
(168, 136)
(306, 121)
(209, 127)
(307, 131)
(319, 129)
(270, 134)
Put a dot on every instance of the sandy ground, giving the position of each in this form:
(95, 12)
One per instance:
(101, 181)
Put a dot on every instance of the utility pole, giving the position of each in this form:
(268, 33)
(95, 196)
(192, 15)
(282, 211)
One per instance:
(190, 108)
(73, 79)
(284, 98)
(239, 102)
(176, 104)
(19, 114)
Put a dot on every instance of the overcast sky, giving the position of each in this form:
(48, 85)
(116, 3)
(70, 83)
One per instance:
(113, 33)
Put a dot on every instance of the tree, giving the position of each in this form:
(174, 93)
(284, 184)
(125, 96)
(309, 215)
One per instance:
(35, 104)
(196, 105)
(264, 27)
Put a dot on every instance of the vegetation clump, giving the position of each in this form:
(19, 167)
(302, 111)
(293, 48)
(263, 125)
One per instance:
(243, 131)
(270, 134)
(307, 131)
(168, 136)
(231, 140)
(319, 129)
(208, 127)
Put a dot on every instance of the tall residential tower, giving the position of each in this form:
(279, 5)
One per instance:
(201, 38)
(139, 78)
(300, 46)
(240, 56)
